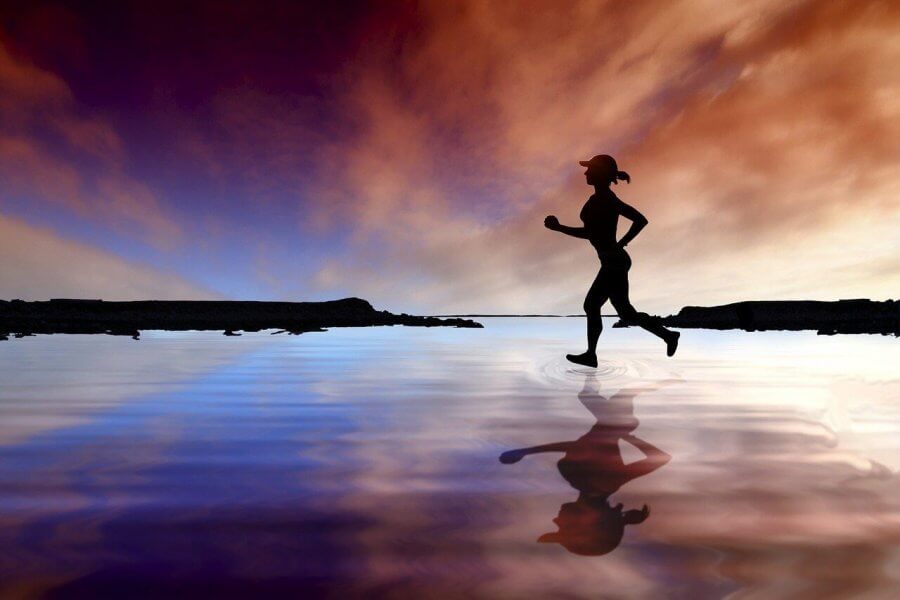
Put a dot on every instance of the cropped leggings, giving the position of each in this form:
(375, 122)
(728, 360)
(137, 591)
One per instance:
(611, 284)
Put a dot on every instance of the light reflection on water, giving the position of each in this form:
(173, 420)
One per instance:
(366, 461)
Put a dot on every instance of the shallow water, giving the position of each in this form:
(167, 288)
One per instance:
(366, 461)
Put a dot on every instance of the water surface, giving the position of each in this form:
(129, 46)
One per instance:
(367, 461)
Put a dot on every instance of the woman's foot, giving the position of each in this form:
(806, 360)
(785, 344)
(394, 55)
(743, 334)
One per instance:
(672, 343)
(588, 359)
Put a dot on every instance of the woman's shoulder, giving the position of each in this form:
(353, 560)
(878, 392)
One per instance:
(601, 199)
(611, 195)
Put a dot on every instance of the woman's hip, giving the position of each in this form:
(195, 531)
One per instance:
(618, 260)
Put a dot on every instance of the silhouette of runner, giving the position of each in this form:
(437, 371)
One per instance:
(600, 216)
(593, 465)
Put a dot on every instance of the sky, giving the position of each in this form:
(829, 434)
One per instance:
(407, 152)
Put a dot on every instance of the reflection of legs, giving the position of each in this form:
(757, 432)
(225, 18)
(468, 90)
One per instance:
(618, 295)
(616, 411)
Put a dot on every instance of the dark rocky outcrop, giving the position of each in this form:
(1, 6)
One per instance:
(827, 318)
(20, 318)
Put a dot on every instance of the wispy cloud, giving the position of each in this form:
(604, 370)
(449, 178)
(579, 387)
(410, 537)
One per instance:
(38, 265)
(52, 153)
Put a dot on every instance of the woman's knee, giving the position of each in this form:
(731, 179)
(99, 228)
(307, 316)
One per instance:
(591, 305)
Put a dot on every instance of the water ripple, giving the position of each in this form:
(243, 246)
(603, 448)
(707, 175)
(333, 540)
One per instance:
(617, 371)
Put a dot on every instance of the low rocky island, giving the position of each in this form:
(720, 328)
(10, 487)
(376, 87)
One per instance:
(827, 318)
(19, 318)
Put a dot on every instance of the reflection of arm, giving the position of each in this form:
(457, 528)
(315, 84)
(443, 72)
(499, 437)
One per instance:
(556, 447)
(655, 458)
(511, 456)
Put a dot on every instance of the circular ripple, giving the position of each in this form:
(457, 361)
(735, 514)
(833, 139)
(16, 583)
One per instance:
(559, 371)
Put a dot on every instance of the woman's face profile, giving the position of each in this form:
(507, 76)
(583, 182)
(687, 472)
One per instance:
(596, 176)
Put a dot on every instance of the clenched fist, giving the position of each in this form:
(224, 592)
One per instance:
(551, 222)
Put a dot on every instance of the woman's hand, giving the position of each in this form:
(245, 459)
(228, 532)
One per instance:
(551, 222)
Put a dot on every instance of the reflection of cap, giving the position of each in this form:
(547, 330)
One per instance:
(601, 161)
(587, 527)
(591, 527)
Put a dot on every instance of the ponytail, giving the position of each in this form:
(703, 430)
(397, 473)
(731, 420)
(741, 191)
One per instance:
(622, 176)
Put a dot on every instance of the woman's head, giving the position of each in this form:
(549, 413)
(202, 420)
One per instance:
(602, 170)
(591, 527)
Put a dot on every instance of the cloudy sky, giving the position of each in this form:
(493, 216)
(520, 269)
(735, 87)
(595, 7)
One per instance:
(407, 152)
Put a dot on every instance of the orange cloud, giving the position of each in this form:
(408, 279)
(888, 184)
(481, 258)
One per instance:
(761, 138)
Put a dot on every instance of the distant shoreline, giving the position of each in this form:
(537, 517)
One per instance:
(826, 318)
(485, 316)
(19, 318)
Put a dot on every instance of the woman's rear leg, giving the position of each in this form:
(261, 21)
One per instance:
(654, 325)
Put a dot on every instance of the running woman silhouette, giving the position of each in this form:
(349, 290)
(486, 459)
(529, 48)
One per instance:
(600, 216)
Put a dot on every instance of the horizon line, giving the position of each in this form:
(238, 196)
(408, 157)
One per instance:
(513, 315)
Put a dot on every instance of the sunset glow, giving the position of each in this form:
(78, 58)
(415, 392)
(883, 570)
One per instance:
(407, 153)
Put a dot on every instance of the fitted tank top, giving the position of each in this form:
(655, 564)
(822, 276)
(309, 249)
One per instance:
(600, 216)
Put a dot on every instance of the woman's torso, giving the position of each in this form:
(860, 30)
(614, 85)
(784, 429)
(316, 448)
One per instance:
(593, 464)
(600, 216)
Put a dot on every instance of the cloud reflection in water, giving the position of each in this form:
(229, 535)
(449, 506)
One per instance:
(365, 461)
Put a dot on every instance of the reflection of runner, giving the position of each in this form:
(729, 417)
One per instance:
(600, 216)
(593, 465)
